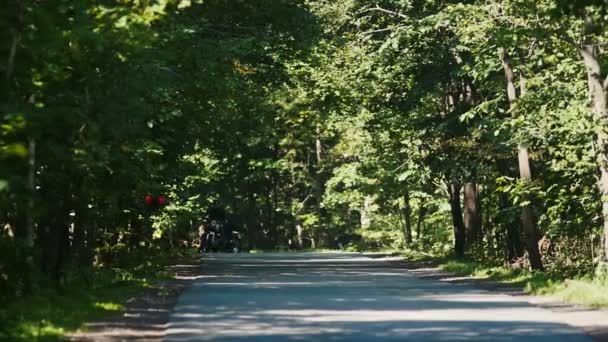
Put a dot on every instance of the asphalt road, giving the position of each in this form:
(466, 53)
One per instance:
(348, 297)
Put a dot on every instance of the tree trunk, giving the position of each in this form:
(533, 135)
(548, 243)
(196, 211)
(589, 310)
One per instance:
(91, 241)
(472, 217)
(10, 63)
(29, 215)
(31, 188)
(319, 188)
(528, 218)
(300, 232)
(512, 227)
(318, 175)
(597, 91)
(459, 229)
(250, 223)
(421, 214)
(407, 214)
(275, 205)
(56, 244)
(366, 220)
(272, 228)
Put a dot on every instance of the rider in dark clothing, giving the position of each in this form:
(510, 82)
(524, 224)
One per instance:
(212, 234)
(218, 233)
(202, 233)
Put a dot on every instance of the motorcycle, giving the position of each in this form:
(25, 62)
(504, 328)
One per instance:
(235, 242)
(215, 241)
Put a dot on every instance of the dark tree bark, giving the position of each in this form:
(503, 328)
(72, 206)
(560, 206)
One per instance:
(31, 188)
(421, 214)
(528, 219)
(407, 215)
(16, 39)
(55, 243)
(91, 243)
(472, 214)
(250, 222)
(456, 210)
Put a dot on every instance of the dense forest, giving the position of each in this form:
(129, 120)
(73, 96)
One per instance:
(475, 127)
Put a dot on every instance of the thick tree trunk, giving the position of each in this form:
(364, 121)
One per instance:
(300, 232)
(598, 90)
(31, 187)
(250, 222)
(366, 219)
(318, 175)
(90, 243)
(528, 218)
(459, 229)
(317, 240)
(407, 214)
(272, 228)
(29, 215)
(55, 245)
(421, 214)
(275, 203)
(472, 214)
(512, 227)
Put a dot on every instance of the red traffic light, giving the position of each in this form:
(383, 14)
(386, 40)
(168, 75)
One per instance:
(161, 200)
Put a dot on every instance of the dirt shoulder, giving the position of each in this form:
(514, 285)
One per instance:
(146, 316)
(591, 321)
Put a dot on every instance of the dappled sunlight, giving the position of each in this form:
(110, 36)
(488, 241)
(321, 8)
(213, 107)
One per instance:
(139, 135)
(372, 300)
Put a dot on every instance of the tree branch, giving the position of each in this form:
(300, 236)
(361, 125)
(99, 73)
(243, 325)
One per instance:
(380, 9)
(303, 203)
(11, 57)
(382, 30)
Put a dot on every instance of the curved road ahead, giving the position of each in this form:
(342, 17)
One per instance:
(348, 297)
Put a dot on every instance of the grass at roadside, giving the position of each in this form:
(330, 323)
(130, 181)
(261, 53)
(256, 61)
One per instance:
(583, 290)
(50, 315)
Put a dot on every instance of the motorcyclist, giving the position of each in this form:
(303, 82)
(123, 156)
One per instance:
(218, 233)
(232, 236)
(202, 233)
(213, 235)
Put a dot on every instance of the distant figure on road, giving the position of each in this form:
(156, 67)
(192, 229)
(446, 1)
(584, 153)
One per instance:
(202, 230)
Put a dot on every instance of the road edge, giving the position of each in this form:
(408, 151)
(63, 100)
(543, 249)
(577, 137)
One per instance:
(430, 270)
(146, 316)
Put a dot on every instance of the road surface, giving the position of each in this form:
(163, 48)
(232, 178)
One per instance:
(348, 297)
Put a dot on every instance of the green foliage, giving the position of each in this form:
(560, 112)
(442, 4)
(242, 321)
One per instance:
(581, 291)
(49, 316)
(312, 123)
